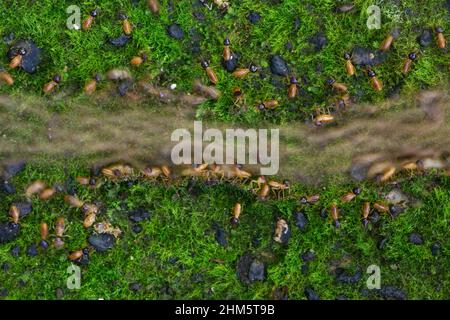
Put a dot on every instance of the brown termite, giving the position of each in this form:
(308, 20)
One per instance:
(343, 102)
(166, 171)
(14, 213)
(309, 199)
(277, 186)
(89, 20)
(440, 39)
(349, 65)
(83, 180)
(47, 193)
(267, 105)
(117, 171)
(376, 84)
(154, 6)
(91, 85)
(334, 210)
(337, 85)
(60, 227)
(6, 77)
(381, 208)
(209, 72)
(196, 170)
(126, 25)
(241, 73)
(237, 210)
(73, 201)
(264, 192)
(151, 172)
(89, 220)
(44, 233)
(281, 228)
(16, 61)
(239, 173)
(261, 180)
(387, 42)
(408, 62)
(36, 187)
(75, 255)
(386, 174)
(350, 195)
(50, 86)
(365, 213)
(322, 119)
(226, 49)
(138, 60)
(292, 91)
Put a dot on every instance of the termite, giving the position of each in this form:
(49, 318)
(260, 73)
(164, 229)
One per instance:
(16, 61)
(440, 37)
(365, 213)
(36, 187)
(166, 171)
(75, 255)
(281, 228)
(73, 201)
(50, 86)
(91, 85)
(407, 64)
(151, 172)
(241, 73)
(349, 65)
(322, 119)
(376, 84)
(239, 173)
(264, 192)
(274, 185)
(126, 25)
(381, 208)
(292, 91)
(209, 72)
(350, 195)
(226, 49)
(309, 199)
(237, 210)
(386, 174)
(154, 6)
(44, 234)
(138, 60)
(47, 193)
(334, 210)
(14, 213)
(337, 85)
(89, 20)
(267, 105)
(6, 77)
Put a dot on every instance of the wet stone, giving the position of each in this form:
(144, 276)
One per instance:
(435, 248)
(9, 231)
(102, 242)
(24, 208)
(310, 294)
(391, 292)
(318, 40)
(341, 297)
(175, 31)
(415, 238)
(343, 276)
(231, 65)
(32, 250)
(425, 38)
(120, 41)
(221, 236)
(301, 221)
(253, 17)
(249, 269)
(365, 56)
(278, 66)
(308, 255)
(32, 58)
(7, 187)
(138, 215)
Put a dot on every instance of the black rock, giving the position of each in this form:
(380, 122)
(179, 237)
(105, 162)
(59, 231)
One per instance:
(221, 236)
(395, 210)
(70, 186)
(278, 66)
(13, 168)
(253, 17)
(425, 38)
(15, 251)
(24, 208)
(369, 57)
(301, 221)
(138, 215)
(318, 40)
(7, 187)
(231, 65)
(175, 31)
(102, 242)
(375, 217)
(32, 57)
(250, 269)
(256, 271)
(342, 276)
(308, 256)
(32, 250)
(136, 228)
(311, 295)
(9, 38)
(120, 41)
(391, 292)
(124, 86)
(297, 23)
(135, 286)
(435, 248)
(9, 231)
(415, 238)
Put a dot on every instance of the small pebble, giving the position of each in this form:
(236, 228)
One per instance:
(59, 293)
(391, 292)
(435, 248)
(318, 40)
(425, 38)
(253, 17)
(308, 255)
(301, 221)
(415, 238)
(231, 65)
(136, 228)
(7, 187)
(13, 168)
(138, 215)
(9, 231)
(135, 286)
(32, 251)
(221, 236)
(278, 66)
(3, 292)
(175, 31)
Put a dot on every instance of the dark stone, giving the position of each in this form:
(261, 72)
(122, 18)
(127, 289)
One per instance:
(124, 86)
(7, 187)
(395, 210)
(435, 248)
(43, 244)
(9, 38)
(221, 236)
(70, 186)
(391, 292)
(138, 215)
(135, 286)
(6, 266)
(311, 295)
(84, 259)
(24, 208)
(375, 217)
(175, 31)
(9, 231)
(369, 57)
(136, 228)
(249, 269)
(425, 38)
(278, 66)
(32, 57)
(13, 168)
(32, 250)
(308, 256)
(15, 251)
(59, 293)
(21, 283)
(199, 16)
(231, 64)
(253, 17)
(342, 276)
(382, 244)
(120, 41)
(3, 292)
(301, 221)
(102, 242)
(415, 238)
(318, 40)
